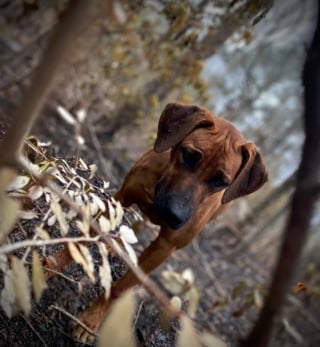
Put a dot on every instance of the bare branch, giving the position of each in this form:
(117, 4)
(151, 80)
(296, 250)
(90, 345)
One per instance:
(40, 243)
(72, 317)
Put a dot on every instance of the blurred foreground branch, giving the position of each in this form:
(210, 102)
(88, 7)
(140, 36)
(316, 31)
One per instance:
(59, 48)
(306, 193)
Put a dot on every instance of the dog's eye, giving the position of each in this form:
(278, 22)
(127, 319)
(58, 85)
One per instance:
(190, 157)
(218, 181)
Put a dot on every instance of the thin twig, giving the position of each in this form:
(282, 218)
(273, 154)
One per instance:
(75, 319)
(137, 315)
(40, 243)
(26, 253)
(57, 273)
(309, 317)
(251, 237)
(208, 270)
(100, 155)
(34, 330)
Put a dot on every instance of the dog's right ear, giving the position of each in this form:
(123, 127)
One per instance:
(177, 121)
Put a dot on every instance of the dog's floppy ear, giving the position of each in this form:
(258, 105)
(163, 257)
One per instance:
(251, 176)
(177, 121)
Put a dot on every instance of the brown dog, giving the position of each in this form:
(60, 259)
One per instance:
(198, 165)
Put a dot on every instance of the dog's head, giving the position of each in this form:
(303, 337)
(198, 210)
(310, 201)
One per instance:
(211, 163)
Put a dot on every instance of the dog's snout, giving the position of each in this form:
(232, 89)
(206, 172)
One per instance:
(176, 210)
(176, 215)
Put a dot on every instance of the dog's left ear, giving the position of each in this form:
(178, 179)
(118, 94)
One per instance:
(177, 121)
(251, 176)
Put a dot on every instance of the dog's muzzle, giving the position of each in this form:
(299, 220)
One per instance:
(174, 209)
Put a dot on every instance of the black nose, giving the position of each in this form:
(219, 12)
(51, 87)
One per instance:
(175, 210)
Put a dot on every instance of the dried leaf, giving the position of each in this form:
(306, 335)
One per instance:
(127, 234)
(39, 283)
(172, 281)
(43, 166)
(51, 220)
(121, 315)
(81, 257)
(47, 194)
(66, 115)
(104, 224)
(292, 331)
(81, 115)
(57, 174)
(188, 276)
(34, 167)
(80, 139)
(105, 271)
(8, 295)
(83, 164)
(103, 249)
(71, 193)
(73, 171)
(119, 212)
(257, 298)
(94, 208)
(299, 287)
(71, 214)
(9, 210)
(131, 253)
(176, 302)
(56, 209)
(93, 169)
(112, 215)
(78, 182)
(3, 263)
(18, 183)
(209, 340)
(21, 284)
(99, 202)
(42, 233)
(192, 296)
(27, 215)
(35, 192)
(17, 195)
(187, 335)
(83, 226)
(119, 12)
(89, 267)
